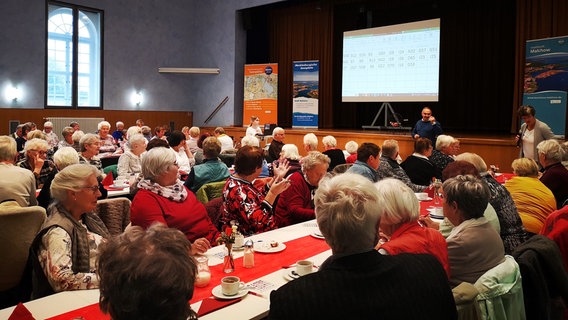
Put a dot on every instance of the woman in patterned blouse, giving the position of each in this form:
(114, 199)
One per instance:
(66, 247)
(245, 205)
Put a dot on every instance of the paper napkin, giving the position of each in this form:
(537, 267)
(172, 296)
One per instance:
(211, 304)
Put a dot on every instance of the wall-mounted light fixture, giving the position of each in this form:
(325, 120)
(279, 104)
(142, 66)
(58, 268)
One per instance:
(12, 93)
(136, 98)
(190, 70)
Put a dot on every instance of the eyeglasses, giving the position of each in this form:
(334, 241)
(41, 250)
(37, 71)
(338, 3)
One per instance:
(93, 189)
(41, 152)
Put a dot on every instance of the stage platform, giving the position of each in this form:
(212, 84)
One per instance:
(498, 150)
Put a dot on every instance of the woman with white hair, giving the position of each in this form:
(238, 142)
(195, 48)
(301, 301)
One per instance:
(62, 158)
(399, 224)
(129, 161)
(290, 154)
(310, 142)
(51, 137)
(296, 204)
(107, 141)
(66, 248)
(512, 231)
(555, 175)
(443, 153)
(350, 151)
(89, 154)
(35, 160)
(335, 155)
(162, 197)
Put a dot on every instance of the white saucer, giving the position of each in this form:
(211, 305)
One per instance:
(114, 186)
(218, 293)
(264, 247)
(425, 199)
(317, 235)
(290, 273)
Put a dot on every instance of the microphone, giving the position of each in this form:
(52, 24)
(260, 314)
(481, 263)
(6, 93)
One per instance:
(520, 136)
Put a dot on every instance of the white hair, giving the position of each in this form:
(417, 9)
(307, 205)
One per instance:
(103, 124)
(65, 156)
(400, 204)
(250, 141)
(329, 141)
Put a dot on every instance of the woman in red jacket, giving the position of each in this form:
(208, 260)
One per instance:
(399, 224)
(162, 197)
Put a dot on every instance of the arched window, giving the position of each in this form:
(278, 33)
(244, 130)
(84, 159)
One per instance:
(74, 46)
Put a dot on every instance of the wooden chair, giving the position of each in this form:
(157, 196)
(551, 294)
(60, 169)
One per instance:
(18, 228)
(115, 213)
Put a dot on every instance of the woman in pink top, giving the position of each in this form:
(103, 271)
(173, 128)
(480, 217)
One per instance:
(401, 231)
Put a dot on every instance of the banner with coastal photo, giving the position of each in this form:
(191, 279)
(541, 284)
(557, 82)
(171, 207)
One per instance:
(261, 93)
(306, 94)
(546, 81)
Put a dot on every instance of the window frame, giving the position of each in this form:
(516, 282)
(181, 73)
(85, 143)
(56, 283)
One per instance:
(75, 55)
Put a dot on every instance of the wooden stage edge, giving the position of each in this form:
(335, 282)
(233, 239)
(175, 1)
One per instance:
(499, 150)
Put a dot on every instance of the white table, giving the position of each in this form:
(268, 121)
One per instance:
(118, 193)
(251, 306)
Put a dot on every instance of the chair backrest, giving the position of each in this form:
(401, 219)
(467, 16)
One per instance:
(545, 281)
(556, 228)
(18, 228)
(115, 213)
(465, 296)
(113, 168)
(214, 210)
(501, 292)
(210, 191)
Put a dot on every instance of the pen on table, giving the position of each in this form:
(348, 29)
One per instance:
(257, 294)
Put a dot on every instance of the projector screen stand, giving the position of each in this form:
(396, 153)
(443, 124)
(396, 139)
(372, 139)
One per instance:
(396, 125)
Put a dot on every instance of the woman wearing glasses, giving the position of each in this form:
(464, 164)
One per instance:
(66, 247)
(36, 160)
(163, 198)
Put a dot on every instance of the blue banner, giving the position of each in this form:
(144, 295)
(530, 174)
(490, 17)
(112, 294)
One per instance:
(546, 81)
(306, 94)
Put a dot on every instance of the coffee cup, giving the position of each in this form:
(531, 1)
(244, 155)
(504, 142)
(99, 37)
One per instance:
(231, 285)
(304, 267)
(422, 195)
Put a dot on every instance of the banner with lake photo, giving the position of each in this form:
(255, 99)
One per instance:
(546, 81)
(261, 93)
(306, 94)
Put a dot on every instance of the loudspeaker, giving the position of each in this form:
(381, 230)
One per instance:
(13, 125)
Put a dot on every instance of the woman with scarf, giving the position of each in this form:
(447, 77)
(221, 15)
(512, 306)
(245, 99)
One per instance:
(66, 247)
(162, 197)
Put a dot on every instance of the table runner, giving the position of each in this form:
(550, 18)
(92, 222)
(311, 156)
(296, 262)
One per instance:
(264, 263)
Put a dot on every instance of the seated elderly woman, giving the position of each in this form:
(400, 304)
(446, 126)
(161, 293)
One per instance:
(243, 203)
(555, 175)
(129, 161)
(67, 140)
(211, 170)
(107, 141)
(185, 158)
(389, 167)
(350, 151)
(335, 155)
(533, 199)
(417, 166)
(474, 246)
(399, 224)
(456, 168)
(66, 248)
(165, 274)
(512, 231)
(62, 158)
(89, 154)
(35, 160)
(254, 142)
(350, 280)
(444, 152)
(163, 198)
(296, 204)
(289, 154)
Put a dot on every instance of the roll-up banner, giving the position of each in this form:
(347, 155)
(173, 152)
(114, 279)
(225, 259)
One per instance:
(261, 93)
(306, 94)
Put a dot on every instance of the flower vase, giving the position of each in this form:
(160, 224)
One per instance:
(228, 261)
